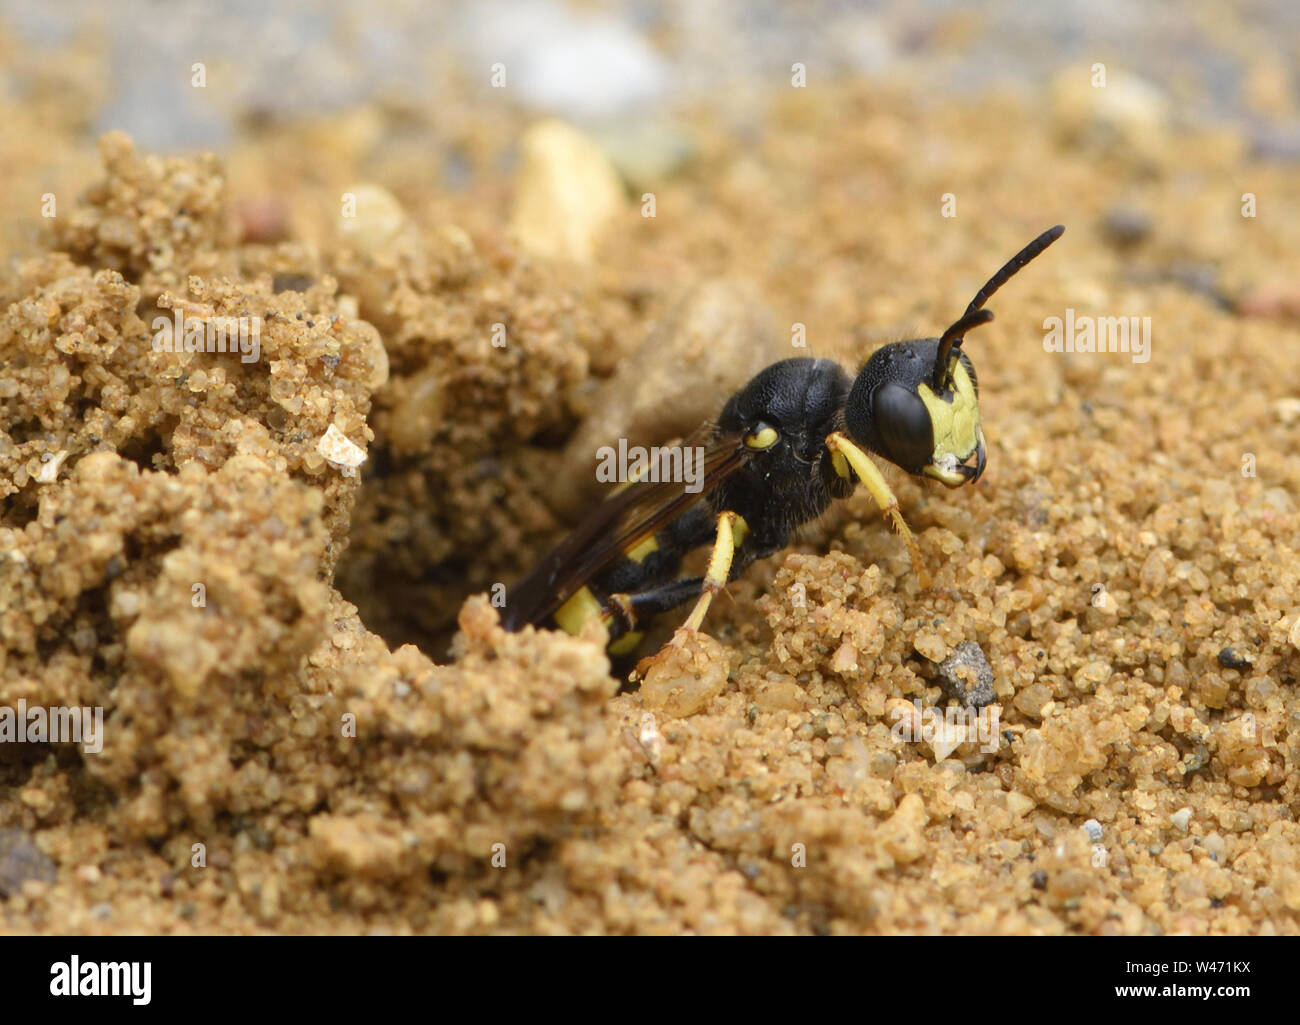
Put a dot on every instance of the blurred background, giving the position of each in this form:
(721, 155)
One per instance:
(597, 60)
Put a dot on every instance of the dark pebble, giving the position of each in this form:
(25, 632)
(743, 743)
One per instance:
(968, 655)
(1229, 659)
(21, 860)
(1125, 225)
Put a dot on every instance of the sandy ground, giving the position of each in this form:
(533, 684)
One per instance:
(297, 663)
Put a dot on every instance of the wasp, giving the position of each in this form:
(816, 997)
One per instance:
(795, 438)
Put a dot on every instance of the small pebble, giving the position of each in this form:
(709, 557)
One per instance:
(339, 450)
(49, 468)
(1230, 659)
(567, 193)
(21, 860)
(956, 671)
(1126, 226)
(372, 216)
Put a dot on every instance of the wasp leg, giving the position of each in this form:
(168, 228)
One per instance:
(644, 605)
(723, 566)
(844, 451)
(724, 551)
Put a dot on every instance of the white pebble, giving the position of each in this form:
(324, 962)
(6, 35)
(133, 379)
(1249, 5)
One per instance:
(50, 463)
(578, 64)
(339, 451)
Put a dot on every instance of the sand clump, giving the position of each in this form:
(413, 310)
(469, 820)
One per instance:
(228, 556)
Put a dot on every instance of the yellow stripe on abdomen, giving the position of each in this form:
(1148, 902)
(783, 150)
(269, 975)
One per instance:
(578, 611)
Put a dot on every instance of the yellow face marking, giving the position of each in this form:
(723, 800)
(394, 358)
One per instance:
(765, 438)
(956, 426)
(641, 549)
(578, 611)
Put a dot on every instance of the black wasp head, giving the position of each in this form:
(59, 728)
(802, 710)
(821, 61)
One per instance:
(916, 403)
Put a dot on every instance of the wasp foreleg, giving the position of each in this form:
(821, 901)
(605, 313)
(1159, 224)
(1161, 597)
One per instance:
(844, 451)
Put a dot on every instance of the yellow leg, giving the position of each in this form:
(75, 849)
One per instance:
(724, 550)
(730, 528)
(867, 472)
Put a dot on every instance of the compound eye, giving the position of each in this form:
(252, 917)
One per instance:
(904, 426)
(761, 437)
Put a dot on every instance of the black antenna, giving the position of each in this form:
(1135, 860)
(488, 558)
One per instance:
(975, 315)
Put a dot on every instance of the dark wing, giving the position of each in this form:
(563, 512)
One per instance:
(620, 522)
